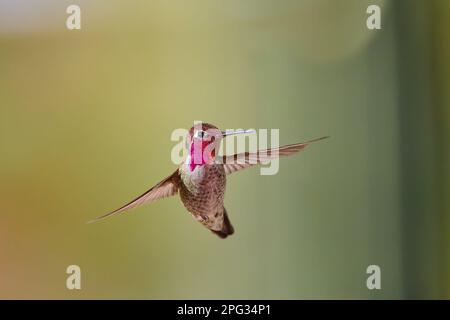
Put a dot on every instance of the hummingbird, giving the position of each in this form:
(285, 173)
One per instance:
(200, 180)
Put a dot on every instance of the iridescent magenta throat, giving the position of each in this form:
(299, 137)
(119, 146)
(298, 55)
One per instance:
(196, 155)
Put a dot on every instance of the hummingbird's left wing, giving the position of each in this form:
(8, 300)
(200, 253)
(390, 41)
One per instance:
(244, 160)
(166, 188)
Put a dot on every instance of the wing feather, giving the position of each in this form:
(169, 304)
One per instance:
(245, 160)
(166, 188)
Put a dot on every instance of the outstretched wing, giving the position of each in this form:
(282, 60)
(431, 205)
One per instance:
(166, 188)
(244, 160)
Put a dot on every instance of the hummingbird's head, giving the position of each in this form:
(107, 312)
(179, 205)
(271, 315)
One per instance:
(203, 140)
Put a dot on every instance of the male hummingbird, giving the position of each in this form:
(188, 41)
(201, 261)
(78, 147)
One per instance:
(201, 179)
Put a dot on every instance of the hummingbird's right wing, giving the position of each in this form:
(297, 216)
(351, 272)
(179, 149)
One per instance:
(166, 188)
(245, 160)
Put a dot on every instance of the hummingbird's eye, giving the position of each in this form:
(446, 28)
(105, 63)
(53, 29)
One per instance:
(200, 134)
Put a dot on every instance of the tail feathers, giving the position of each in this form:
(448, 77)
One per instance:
(227, 228)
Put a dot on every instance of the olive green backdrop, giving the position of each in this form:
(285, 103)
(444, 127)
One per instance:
(85, 124)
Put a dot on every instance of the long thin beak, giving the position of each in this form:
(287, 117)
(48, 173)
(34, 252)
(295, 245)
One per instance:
(233, 132)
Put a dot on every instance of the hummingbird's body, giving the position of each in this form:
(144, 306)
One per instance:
(201, 179)
(202, 192)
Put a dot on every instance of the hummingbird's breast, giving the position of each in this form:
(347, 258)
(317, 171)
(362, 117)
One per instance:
(202, 192)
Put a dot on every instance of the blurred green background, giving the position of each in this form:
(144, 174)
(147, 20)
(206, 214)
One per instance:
(85, 123)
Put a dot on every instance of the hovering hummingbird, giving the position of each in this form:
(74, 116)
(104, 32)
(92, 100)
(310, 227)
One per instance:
(201, 179)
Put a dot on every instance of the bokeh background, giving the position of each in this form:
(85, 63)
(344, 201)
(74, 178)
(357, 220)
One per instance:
(85, 123)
